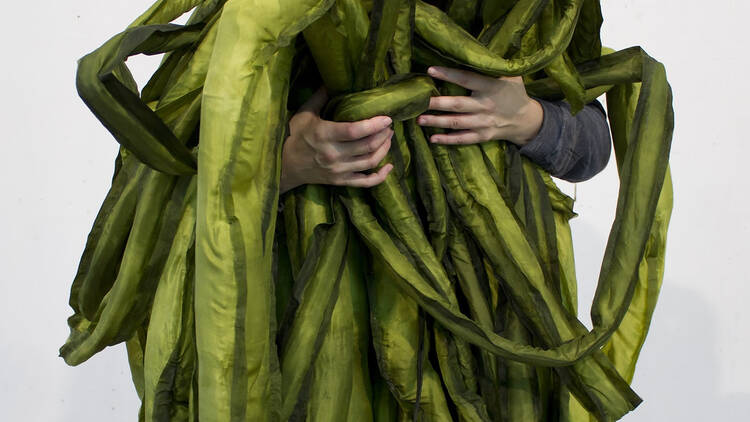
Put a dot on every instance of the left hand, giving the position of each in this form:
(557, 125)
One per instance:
(498, 108)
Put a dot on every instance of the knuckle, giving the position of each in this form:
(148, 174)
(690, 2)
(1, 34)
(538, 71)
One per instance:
(336, 169)
(372, 145)
(388, 135)
(318, 161)
(486, 104)
(325, 159)
(329, 157)
(351, 131)
(454, 123)
(384, 147)
(317, 135)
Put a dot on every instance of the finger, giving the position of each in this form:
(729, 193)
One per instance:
(362, 180)
(364, 145)
(457, 103)
(458, 137)
(316, 101)
(349, 131)
(469, 80)
(363, 162)
(454, 121)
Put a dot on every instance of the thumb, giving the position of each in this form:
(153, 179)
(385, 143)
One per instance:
(316, 101)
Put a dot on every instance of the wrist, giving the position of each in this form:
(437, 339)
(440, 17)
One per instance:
(530, 121)
(287, 181)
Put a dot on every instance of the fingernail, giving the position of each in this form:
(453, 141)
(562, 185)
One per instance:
(387, 121)
(432, 70)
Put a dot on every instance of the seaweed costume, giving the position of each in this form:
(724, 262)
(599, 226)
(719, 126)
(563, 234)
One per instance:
(447, 292)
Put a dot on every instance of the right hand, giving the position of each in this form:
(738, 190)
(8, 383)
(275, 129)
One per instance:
(333, 153)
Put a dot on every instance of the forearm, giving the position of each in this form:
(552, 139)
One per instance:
(573, 148)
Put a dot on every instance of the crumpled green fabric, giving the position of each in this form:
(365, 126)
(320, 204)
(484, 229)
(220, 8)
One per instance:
(447, 292)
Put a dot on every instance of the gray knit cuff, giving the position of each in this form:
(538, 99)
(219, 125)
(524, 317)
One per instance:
(573, 148)
(541, 148)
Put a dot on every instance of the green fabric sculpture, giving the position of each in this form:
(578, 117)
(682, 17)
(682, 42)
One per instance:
(445, 293)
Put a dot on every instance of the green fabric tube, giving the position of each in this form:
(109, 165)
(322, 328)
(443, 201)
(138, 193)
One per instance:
(625, 344)
(132, 123)
(238, 374)
(454, 43)
(103, 252)
(112, 324)
(447, 292)
(169, 356)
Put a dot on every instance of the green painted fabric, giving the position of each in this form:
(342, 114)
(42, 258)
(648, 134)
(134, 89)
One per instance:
(446, 293)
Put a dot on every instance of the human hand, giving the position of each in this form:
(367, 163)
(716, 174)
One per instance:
(498, 108)
(333, 153)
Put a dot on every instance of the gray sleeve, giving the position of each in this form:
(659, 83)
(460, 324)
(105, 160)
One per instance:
(573, 148)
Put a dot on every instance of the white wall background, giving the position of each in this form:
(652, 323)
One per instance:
(57, 162)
